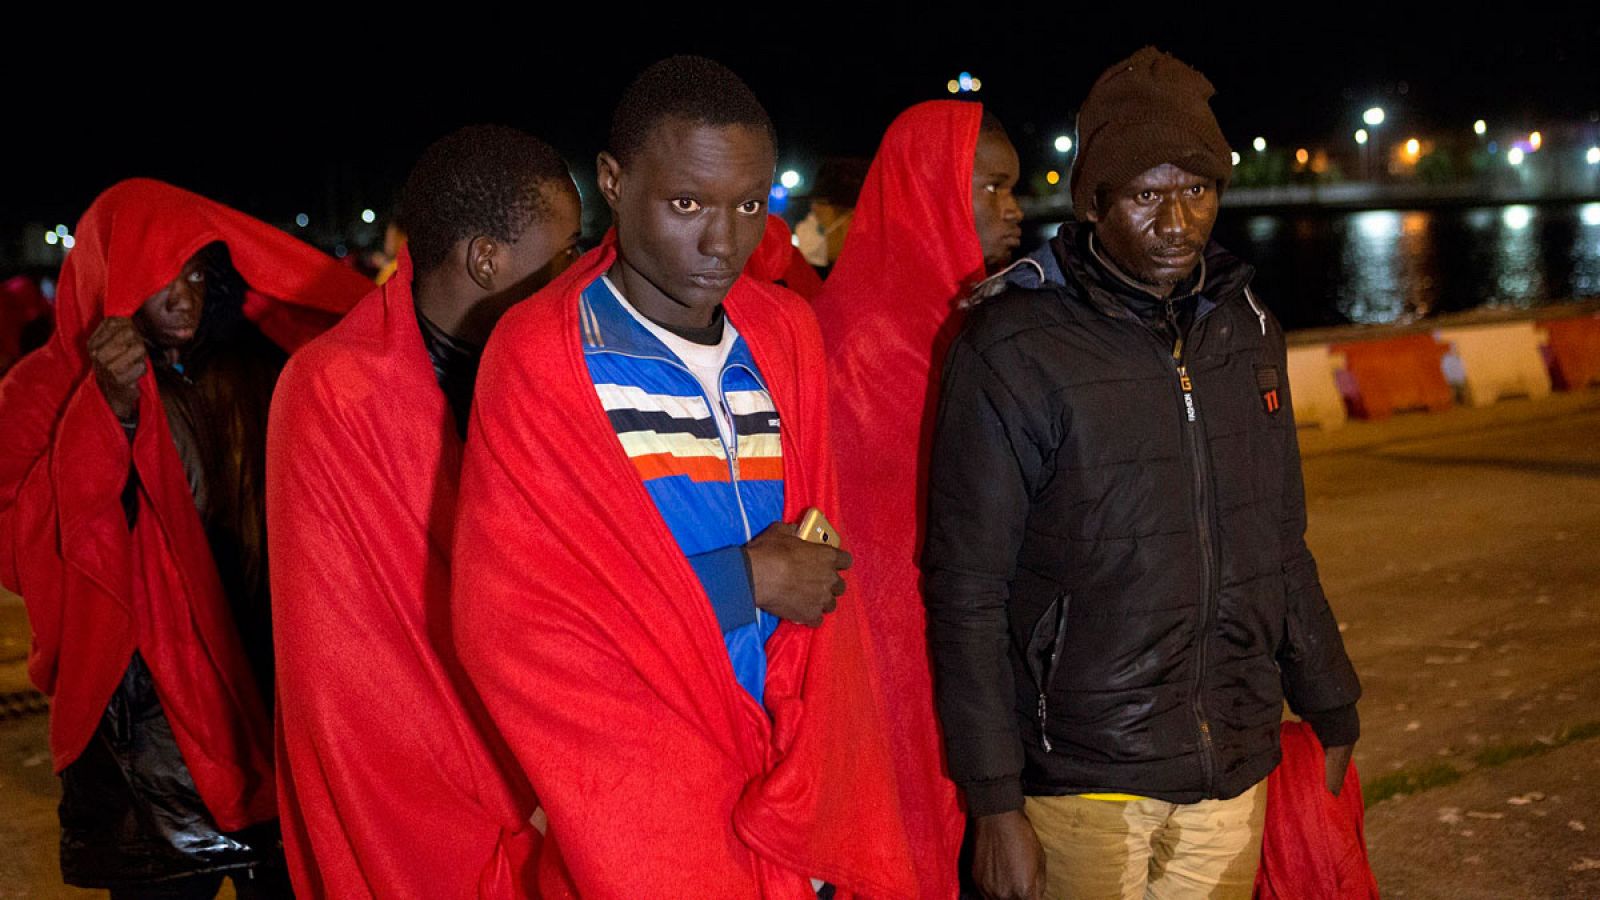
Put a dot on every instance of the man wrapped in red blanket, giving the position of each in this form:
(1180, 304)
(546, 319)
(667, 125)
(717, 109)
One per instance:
(131, 524)
(390, 783)
(935, 208)
(659, 649)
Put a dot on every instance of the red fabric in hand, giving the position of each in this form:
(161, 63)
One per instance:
(888, 313)
(387, 783)
(597, 653)
(96, 590)
(1314, 846)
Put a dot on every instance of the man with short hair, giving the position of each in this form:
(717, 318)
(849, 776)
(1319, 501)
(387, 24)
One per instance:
(391, 782)
(1119, 591)
(660, 650)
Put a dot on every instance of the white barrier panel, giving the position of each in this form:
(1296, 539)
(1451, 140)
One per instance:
(1499, 361)
(1316, 395)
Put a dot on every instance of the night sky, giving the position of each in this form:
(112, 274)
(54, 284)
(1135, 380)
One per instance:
(275, 122)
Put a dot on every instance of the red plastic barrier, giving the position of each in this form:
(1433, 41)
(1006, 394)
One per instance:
(1395, 373)
(1574, 351)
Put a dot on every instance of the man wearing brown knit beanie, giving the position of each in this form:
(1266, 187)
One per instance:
(1120, 596)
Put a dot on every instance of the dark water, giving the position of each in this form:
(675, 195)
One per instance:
(1318, 268)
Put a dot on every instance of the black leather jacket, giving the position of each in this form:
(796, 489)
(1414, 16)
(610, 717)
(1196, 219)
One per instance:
(1119, 592)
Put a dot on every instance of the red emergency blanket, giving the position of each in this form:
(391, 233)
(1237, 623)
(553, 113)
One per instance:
(1314, 846)
(778, 260)
(95, 590)
(598, 655)
(387, 783)
(888, 313)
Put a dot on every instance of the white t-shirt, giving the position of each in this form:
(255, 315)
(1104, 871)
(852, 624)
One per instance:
(704, 361)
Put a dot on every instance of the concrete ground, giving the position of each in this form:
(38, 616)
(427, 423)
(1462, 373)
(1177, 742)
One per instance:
(1459, 551)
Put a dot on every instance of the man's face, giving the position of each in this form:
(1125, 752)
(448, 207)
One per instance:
(171, 316)
(995, 170)
(510, 271)
(547, 247)
(690, 208)
(1156, 226)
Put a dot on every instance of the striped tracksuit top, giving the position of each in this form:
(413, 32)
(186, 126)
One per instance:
(714, 497)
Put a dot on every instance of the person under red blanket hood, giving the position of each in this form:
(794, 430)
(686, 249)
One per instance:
(131, 523)
(662, 654)
(936, 207)
(778, 260)
(390, 785)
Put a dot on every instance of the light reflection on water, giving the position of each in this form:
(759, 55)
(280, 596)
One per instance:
(1380, 266)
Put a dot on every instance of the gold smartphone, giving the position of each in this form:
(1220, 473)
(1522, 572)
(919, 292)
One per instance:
(815, 527)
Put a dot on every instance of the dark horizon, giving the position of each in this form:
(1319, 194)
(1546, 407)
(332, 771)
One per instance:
(312, 129)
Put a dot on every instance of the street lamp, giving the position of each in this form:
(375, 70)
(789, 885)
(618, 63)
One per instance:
(790, 179)
(1480, 127)
(1514, 156)
(1593, 156)
(1259, 143)
(1373, 116)
(1063, 144)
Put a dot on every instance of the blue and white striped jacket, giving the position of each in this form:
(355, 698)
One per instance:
(713, 496)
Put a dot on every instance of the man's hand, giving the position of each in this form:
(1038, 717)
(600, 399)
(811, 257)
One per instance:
(1338, 761)
(1007, 862)
(117, 352)
(793, 579)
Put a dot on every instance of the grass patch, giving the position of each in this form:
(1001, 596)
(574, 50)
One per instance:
(1501, 754)
(1439, 774)
(1409, 781)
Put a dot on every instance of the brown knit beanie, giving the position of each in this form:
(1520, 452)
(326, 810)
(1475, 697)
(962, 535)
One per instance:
(1147, 110)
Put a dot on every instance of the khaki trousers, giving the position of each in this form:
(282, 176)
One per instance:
(1149, 849)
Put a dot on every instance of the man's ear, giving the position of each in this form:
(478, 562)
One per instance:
(481, 262)
(1093, 214)
(608, 172)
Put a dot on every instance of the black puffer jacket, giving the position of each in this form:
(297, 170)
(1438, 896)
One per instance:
(1119, 591)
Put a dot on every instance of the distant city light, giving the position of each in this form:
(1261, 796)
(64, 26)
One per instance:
(302, 220)
(1480, 127)
(68, 241)
(778, 192)
(1301, 156)
(1236, 157)
(1052, 177)
(1593, 156)
(1259, 143)
(977, 84)
(1517, 217)
(50, 237)
(1063, 144)
(965, 80)
(1361, 135)
(1590, 213)
(61, 231)
(368, 216)
(1514, 156)
(794, 239)
(1413, 147)
(953, 86)
(1494, 147)
(1535, 140)
(1373, 116)
(790, 179)
(963, 83)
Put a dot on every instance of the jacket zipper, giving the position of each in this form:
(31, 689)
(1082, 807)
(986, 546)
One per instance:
(1050, 670)
(1200, 466)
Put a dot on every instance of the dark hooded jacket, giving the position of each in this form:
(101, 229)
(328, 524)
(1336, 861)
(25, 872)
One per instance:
(1119, 591)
